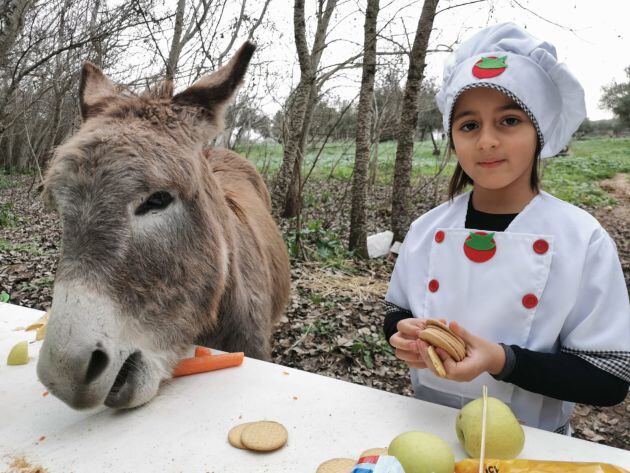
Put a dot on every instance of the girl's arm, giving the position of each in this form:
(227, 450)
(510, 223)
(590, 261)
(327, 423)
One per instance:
(562, 376)
(393, 315)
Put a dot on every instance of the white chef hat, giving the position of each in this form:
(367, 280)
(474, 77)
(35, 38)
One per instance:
(507, 58)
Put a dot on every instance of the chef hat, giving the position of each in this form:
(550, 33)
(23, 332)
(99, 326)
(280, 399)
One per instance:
(507, 58)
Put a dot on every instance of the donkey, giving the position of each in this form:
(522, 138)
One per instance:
(165, 243)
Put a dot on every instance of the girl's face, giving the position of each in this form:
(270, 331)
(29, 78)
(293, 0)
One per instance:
(495, 141)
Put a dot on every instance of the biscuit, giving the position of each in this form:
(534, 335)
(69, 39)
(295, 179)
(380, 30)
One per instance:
(234, 435)
(373, 452)
(446, 328)
(336, 465)
(440, 335)
(264, 436)
(437, 362)
(438, 338)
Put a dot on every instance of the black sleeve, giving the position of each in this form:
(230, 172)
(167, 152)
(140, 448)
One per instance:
(393, 315)
(562, 376)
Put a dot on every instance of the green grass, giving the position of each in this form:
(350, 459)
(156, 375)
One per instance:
(31, 248)
(573, 178)
(7, 216)
(337, 159)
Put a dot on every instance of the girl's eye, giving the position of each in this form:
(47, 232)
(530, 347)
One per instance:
(469, 126)
(511, 121)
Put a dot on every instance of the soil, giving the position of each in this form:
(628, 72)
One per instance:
(334, 319)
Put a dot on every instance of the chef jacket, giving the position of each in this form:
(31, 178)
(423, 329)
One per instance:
(552, 281)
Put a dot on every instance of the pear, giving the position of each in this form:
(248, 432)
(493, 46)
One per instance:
(18, 354)
(504, 435)
(420, 452)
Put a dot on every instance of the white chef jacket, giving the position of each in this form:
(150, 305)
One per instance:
(553, 282)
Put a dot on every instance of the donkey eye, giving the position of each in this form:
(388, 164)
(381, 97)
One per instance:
(156, 201)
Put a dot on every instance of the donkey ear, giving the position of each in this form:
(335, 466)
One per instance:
(94, 89)
(212, 92)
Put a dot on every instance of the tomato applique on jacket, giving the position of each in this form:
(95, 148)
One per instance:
(480, 246)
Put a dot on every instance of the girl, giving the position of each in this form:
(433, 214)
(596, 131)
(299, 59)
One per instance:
(531, 283)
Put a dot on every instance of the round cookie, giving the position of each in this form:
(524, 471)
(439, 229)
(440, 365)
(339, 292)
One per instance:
(264, 436)
(446, 328)
(440, 339)
(336, 465)
(234, 435)
(437, 362)
(373, 452)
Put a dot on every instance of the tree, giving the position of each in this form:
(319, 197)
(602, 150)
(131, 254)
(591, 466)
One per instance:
(42, 47)
(358, 231)
(300, 105)
(585, 128)
(429, 116)
(408, 121)
(12, 13)
(616, 97)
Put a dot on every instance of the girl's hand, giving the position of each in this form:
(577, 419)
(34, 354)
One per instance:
(405, 341)
(481, 356)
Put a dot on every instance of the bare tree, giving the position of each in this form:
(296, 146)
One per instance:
(40, 70)
(300, 105)
(12, 14)
(408, 121)
(358, 231)
(43, 45)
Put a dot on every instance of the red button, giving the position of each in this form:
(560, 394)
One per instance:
(439, 236)
(530, 301)
(434, 285)
(541, 246)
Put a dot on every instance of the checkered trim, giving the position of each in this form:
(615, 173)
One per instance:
(564, 430)
(616, 363)
(393, 308)
(519, 102)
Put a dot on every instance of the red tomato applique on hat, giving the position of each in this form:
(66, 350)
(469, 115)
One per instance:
(480, 246)
(488, 67)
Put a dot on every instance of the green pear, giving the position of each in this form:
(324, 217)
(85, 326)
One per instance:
(420, 452)
(504, 435)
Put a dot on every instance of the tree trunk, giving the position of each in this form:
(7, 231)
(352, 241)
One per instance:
(295, 121)
(374, 161)
(300, 101)
(436, 150)
(408, 122)
(12, 13)
(292, 202)
(358, 230)
(97, 43)
(176, 43)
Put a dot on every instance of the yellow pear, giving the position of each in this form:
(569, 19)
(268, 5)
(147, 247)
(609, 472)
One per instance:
(18, 354)
(504, 435)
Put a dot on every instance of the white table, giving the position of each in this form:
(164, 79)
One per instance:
(184, 429)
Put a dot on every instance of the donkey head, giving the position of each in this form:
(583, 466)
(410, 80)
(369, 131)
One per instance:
(144, 255)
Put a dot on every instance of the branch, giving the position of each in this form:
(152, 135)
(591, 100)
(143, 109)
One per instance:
(459, 5)
(157, 46)
(234, 34)
(259, 21)
(337, 67)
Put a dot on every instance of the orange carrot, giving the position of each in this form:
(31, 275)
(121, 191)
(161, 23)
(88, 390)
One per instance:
(201, 364)
(202, 351)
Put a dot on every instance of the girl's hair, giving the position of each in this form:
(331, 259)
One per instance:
(459, 179)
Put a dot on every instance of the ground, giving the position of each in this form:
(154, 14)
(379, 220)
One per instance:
(333, 323)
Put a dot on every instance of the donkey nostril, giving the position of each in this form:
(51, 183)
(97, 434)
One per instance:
(98, 363)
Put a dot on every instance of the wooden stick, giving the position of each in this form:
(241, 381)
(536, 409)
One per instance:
(482, 454)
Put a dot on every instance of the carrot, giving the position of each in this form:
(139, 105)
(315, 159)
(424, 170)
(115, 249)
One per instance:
(201, 364)
(202, 351)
